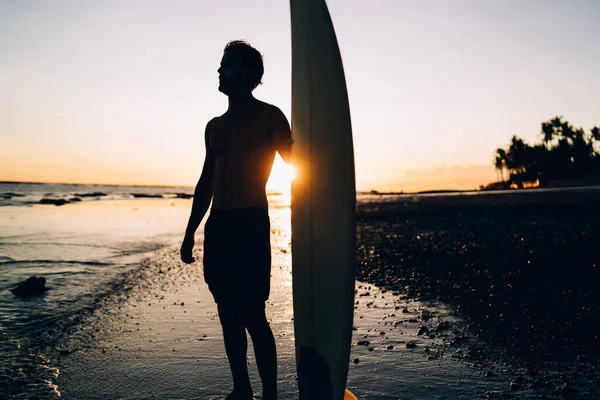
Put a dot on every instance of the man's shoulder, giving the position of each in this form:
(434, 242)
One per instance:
(213, 121)
(271, 109)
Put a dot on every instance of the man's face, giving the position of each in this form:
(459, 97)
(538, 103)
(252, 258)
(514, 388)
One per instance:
(232, 75)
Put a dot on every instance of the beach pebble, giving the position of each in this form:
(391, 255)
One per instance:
(566, 390)
(390, 347)
(541, 384)
(442, 326)
(518, 379)
(363, 343)
(516, 382)
(423, 330)
(425, 315)
(411, 345)
(356, 361)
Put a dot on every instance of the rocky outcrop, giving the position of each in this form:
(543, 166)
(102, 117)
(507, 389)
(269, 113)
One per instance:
(32, 286)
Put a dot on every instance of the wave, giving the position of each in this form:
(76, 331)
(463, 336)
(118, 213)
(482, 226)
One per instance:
(61, 199)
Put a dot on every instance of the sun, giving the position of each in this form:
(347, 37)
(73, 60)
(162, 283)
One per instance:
(281, 176)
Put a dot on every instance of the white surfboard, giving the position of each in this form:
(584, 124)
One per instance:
(323, 205)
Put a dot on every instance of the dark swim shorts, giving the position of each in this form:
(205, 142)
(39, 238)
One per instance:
(237, 255)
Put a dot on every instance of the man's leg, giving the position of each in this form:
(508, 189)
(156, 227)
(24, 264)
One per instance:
(236, 346)
(255, 321)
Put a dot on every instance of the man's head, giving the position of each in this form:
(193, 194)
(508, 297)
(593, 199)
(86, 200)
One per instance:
(241, 68)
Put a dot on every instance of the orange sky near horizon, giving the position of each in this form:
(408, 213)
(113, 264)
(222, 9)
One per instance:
(443, 177)
(119, 93)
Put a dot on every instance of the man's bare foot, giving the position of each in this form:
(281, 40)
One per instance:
(240, 395)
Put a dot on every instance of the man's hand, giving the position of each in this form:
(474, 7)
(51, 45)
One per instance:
(186, 250)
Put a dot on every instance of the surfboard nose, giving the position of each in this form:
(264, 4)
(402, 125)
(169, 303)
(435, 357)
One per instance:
(349, 396)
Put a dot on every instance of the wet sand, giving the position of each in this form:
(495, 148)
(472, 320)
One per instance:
(160, 338)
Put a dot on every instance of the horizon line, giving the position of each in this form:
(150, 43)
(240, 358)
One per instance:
(96, 184)
(358, 191)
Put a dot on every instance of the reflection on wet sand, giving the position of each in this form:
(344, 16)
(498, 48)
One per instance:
(162, 338)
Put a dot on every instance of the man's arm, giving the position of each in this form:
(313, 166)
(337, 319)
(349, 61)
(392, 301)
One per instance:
(202, 197)
(282, 135)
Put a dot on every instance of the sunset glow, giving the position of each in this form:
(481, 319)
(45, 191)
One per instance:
(281, 176)
(101, 92)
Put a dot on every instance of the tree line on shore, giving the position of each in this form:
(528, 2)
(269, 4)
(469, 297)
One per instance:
(563, 153)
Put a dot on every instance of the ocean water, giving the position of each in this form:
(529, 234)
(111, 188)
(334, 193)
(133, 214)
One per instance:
(83, 248)
(16, 194)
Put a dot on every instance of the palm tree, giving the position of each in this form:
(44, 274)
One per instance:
(547, 132)
(568, 132)
(563, 151)
(596, 133)
(596, 138)
(557, 121)
(515, 156)
(500, 161)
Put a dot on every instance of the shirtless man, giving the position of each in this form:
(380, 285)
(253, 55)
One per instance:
(240, 149)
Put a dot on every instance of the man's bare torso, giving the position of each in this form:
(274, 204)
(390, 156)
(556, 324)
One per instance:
(244, 149)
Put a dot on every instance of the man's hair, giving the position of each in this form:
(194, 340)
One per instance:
(251, 58)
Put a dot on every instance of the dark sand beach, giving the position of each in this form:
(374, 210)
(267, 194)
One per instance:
(521, 269)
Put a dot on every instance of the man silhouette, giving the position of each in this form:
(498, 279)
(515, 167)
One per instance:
(240, 149)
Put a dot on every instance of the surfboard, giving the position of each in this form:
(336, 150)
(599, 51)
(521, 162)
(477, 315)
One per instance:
(323, 206)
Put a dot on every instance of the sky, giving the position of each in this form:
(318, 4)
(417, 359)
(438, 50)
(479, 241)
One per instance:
(119, 92)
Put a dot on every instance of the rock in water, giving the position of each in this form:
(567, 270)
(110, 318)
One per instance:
(56, 202)
(32, 286)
